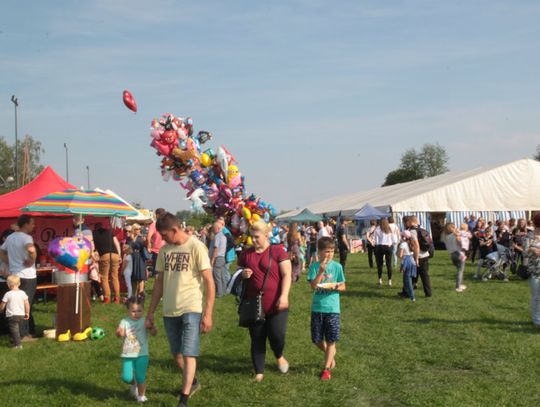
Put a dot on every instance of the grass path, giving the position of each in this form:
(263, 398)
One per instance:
(476, 348)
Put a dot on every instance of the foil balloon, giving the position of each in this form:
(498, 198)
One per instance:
(211, 177)
(70, 252)
(129, 101)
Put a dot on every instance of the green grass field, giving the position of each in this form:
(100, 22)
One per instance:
(476, 348)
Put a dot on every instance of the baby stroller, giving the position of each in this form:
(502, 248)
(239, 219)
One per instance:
(497, 263)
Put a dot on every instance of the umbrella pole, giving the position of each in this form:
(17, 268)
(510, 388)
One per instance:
(77, 293)
(111, 243)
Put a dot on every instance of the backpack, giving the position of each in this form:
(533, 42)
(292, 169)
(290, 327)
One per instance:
(230, 242)
(425, 241)
(230, 248)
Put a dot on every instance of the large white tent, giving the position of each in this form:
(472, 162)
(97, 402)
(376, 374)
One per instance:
(497, 192)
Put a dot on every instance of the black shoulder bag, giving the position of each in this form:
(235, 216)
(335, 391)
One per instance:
(251, 310)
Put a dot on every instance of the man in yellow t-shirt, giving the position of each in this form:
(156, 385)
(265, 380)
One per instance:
(184, 281)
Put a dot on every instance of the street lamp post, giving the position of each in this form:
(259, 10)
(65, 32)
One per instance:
(6, 181)
(16, 104)
(67, 163)
(88, 176)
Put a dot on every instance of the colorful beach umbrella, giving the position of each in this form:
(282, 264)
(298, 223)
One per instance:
(81, 202)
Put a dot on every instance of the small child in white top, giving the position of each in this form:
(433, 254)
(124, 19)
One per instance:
(465, 240)
(127, 269)
(135, 348)
(17, 307)
(408, 265)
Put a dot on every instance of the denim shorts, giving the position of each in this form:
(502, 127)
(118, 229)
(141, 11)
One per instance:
(325, 326)
(183, 333)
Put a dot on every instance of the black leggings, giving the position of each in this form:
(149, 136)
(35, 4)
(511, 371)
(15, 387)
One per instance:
(386, 252)
(273, 328)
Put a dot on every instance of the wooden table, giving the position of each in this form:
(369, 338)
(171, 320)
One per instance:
(44, 278)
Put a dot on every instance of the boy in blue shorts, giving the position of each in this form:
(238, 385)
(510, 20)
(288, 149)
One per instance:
(327, 279)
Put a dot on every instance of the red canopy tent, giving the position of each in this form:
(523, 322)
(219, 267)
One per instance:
(46, 182)
(48, 226)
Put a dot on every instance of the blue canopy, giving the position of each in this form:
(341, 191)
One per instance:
(368, 212)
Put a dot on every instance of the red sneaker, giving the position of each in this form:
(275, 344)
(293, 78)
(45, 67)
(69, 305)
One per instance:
(106, 301)
(117, 300)
(325, 375)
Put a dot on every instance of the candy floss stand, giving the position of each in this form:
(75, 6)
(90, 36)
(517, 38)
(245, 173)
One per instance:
(73, 296)
(72, 302)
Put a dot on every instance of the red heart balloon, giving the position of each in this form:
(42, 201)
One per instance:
(129, 101)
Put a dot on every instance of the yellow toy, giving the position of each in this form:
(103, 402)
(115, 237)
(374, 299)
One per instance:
(81, 336)
(64, 337)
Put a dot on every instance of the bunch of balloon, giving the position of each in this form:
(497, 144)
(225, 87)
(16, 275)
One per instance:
(211, 178)
(72, 253)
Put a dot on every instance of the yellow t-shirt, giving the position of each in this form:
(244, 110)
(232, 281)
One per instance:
(180, 267)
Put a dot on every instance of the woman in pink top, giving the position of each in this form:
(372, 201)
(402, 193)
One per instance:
(154, 242)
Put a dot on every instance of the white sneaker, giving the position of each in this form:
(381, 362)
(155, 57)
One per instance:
(463, 286)
(141, 399)
(390, 283)
(133, 391)
(380, 281)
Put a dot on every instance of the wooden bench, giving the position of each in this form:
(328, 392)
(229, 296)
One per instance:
(45, 287)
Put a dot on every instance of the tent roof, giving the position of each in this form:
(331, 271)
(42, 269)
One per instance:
(46, 182)
(305, 216)
(368, 212)
(511, 186)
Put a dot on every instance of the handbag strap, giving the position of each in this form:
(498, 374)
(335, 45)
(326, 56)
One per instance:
(267, 272)
(244, 285)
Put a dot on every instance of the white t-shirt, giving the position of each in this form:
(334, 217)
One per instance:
(15, 246)
(323, 233)
(395, 231)
(385, 239)
(406, 249)
(15, 303)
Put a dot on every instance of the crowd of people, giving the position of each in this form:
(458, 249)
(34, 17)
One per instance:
(192, 268)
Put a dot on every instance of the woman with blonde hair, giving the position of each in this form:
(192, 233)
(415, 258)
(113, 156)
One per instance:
(257, 262)
(452, 241)
(384, 243)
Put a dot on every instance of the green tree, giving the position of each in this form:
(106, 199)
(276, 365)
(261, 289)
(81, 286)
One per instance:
(428, 162)
(411, 163)
(399, 176)
(192, 218)
(433, 159)
(537, 155)
(7, 173)
(7, 158)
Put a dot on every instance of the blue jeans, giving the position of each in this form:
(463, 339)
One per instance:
(408, 267)
(534, 283)
(184, 333)
(460, 267)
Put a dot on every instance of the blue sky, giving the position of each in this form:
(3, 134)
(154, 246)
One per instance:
(313, 98)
